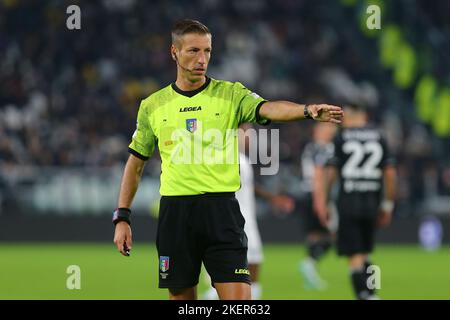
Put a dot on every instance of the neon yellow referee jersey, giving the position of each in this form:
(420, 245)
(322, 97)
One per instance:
(196, 134)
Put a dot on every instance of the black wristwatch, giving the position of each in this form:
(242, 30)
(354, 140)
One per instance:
(121, 214)
(306, 112)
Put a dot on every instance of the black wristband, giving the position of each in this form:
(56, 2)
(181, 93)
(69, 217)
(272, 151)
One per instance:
(121, 214)
(306, 113)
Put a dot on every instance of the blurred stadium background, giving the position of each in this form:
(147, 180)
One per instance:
(69, 98)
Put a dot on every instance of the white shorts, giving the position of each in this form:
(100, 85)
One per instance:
(254, 254)
(247, 203)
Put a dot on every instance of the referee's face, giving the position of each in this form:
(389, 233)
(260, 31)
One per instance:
(193, 55)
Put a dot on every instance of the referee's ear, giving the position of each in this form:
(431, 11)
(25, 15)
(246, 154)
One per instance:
(173, 52)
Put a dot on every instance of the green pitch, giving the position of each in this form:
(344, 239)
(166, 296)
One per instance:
(39, 271)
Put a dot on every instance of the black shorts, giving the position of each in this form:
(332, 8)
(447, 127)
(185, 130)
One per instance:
(308, 218)
(356, 234)
(205, 228)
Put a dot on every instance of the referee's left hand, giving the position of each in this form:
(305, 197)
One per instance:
(326, 113)
(123, 238)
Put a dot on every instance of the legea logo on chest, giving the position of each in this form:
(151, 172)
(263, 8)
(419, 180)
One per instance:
(187, 109)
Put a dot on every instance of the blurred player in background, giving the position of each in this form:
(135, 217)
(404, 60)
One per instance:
(366, 195)
(247, 203)
(199, 217)
(318, 237)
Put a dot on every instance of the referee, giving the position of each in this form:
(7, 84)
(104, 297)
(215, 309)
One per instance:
(199, 219)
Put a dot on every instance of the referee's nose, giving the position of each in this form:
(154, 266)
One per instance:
(202, 58)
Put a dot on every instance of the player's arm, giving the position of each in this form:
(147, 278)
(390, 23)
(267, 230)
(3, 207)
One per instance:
(318, 194)
(282, 202)
(128, 187)
(330, 178)
(289, 111)
(387, 206)
(390, 177)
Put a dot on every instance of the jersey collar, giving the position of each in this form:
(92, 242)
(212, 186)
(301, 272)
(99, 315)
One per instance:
(191, 93)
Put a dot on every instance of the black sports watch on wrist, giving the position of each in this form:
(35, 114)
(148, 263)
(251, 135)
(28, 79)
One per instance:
(306, 112)
(121, 214)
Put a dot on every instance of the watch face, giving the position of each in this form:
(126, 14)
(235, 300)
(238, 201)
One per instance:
(306, 112)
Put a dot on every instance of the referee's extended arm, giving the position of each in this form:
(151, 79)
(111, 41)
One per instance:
(289, 111)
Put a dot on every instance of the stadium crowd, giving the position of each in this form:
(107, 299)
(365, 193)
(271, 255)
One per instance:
(70, 97)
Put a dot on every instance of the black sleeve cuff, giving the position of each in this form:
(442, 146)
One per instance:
(260, 120)
(137, 154)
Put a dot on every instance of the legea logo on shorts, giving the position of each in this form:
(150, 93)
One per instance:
(242, 271)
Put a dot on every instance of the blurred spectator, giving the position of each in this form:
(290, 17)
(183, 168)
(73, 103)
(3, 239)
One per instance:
(69, 98)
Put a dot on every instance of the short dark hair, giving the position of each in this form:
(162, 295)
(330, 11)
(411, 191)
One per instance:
(186, 26)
